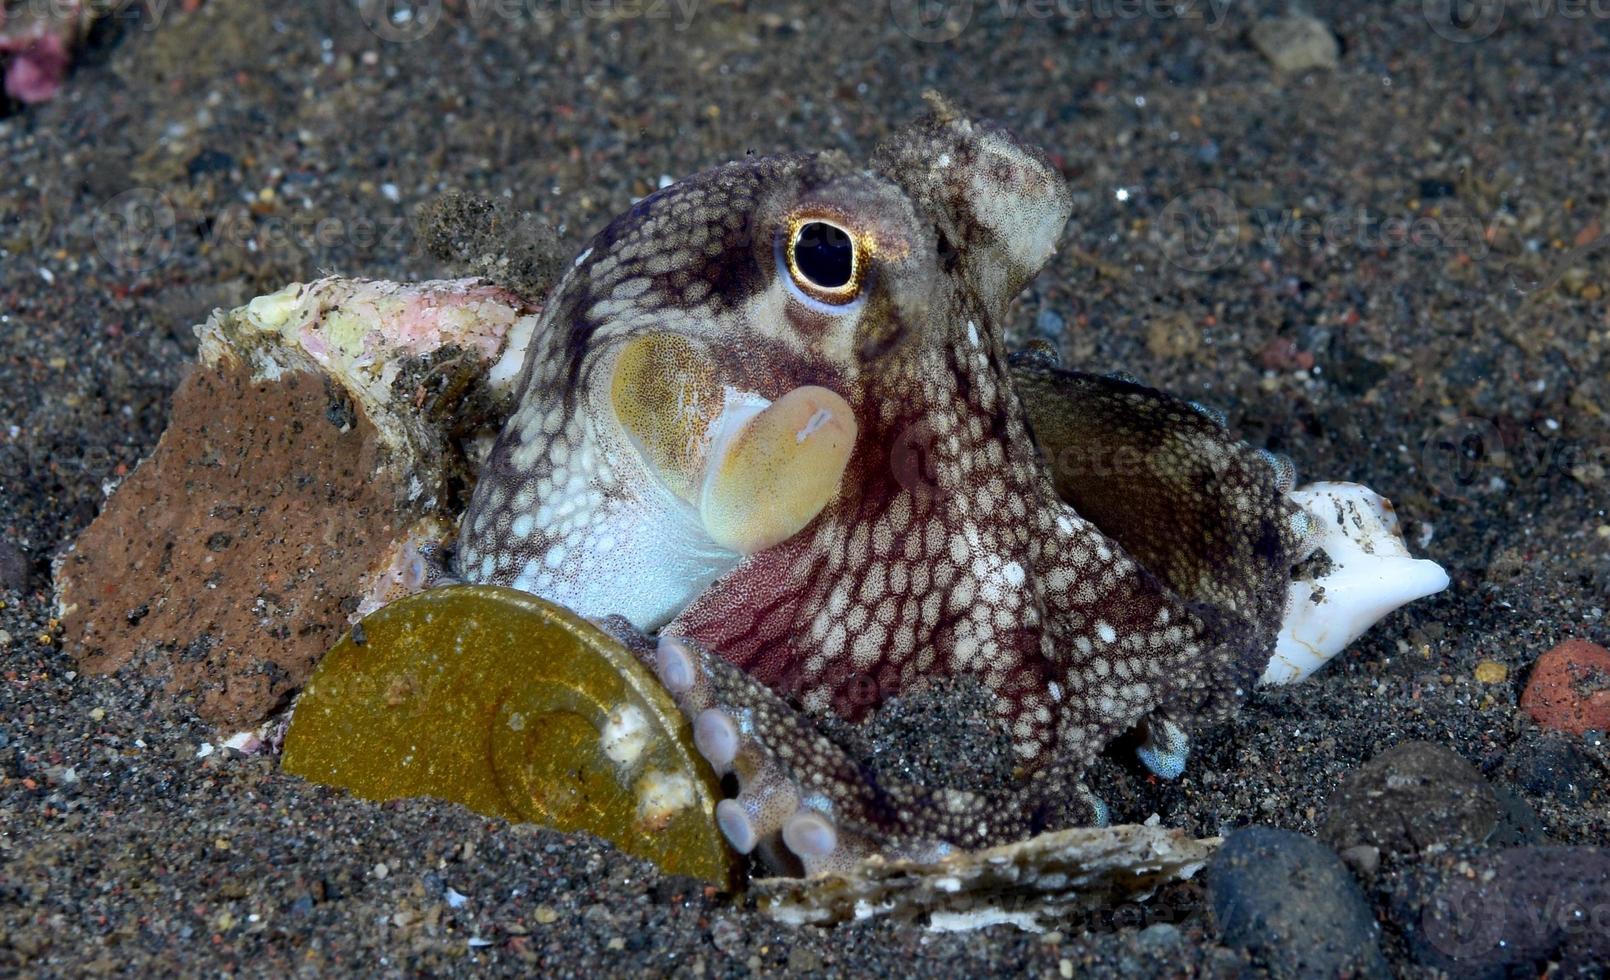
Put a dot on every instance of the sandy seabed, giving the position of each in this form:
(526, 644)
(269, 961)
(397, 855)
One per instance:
(1403, 304)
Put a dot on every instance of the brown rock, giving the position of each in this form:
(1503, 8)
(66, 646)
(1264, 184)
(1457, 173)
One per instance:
(1570, 688)
(311, 466)
(1408, 798)
(232, 549)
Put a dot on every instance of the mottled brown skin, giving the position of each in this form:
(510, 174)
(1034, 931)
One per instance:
(946, 549)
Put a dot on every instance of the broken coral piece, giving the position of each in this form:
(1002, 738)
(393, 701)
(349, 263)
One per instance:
(1365, 573)
(39, 38)
(311, 457)
(1033, 884)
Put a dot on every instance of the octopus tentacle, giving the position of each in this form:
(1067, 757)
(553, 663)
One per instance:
(799, 791)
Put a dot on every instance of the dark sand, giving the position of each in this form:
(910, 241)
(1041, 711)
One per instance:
(290, 140)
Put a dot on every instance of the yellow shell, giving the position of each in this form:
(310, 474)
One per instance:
(516, 708)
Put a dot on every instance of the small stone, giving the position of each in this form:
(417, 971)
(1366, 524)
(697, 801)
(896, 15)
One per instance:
(1517, 823)
(727, 935)
(1050, 323)
(802, 960)
(1159, 937)
(97, 714)
(1552, 765)
(1172, 336)
(1296, 43)
(1408, 798)
(1293, 906)
(1065, 968)
(545, 915)
(1569, 690)
(1363, 858)
(1491, 672)
(380, 871)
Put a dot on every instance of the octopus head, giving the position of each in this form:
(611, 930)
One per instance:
(735, 351)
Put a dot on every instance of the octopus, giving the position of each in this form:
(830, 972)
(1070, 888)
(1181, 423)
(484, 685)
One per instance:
(768, 432)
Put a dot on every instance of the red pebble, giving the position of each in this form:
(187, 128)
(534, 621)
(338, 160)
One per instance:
(1570, 688)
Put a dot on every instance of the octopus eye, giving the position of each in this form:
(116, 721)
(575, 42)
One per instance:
(825, 261)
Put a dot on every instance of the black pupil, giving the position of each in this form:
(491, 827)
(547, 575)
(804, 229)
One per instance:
(824, 254)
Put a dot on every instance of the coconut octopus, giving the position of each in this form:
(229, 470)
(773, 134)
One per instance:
(770, 416)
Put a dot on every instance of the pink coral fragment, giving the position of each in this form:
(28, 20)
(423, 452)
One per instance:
(37, 67)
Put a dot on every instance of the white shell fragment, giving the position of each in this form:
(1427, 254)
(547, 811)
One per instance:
(1032, 884)
(246, 743)
(1371, 573)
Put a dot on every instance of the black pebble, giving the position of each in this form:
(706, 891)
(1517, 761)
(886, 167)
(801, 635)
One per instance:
(1551, 764)
(1410, 797)
(208, 162)
(1431, 190)
(1291, 903)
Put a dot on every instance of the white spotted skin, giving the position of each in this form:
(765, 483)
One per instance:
(946, 550)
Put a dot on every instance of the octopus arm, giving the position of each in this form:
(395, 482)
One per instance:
(1206, 513)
